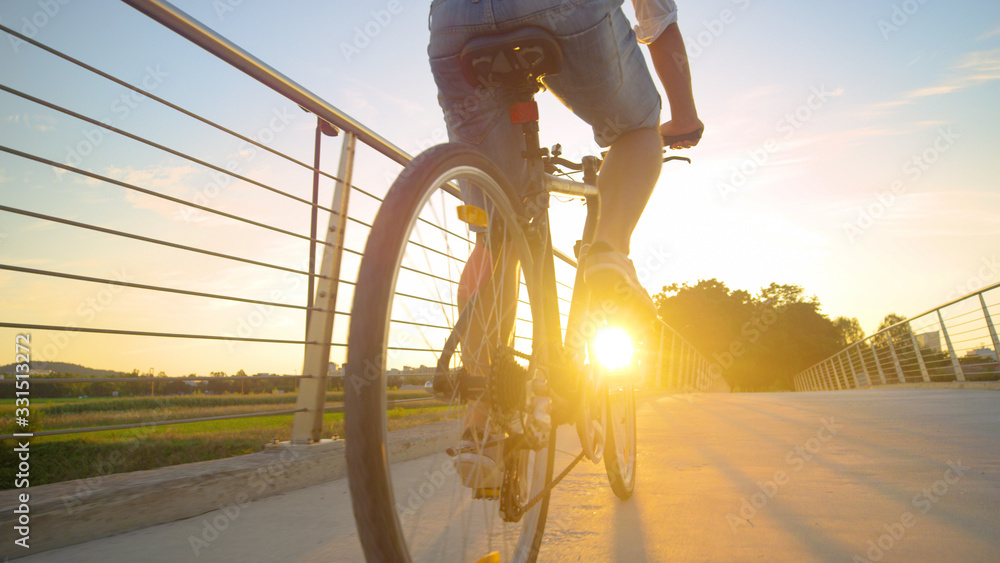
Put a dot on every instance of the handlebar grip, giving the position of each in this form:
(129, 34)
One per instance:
(565, 163)
(684, 158)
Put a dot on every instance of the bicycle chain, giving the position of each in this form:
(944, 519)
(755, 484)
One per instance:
(519, 511)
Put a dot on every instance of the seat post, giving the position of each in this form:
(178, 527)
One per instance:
(526, 114)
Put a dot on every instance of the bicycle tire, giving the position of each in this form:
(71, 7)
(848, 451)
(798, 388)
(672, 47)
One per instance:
(402, 221)
(620, 446)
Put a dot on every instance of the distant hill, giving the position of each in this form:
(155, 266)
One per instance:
(63, 367)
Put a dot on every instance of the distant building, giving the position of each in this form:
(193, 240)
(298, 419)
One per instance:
(929, 341)
(983, 353)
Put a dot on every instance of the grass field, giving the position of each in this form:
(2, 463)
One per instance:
(76, 456)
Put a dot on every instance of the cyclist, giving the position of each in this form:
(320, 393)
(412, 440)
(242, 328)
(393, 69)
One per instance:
(604, 81)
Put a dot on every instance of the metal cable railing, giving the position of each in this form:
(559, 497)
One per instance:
(675, 364)
(954, 342)
(147, 234)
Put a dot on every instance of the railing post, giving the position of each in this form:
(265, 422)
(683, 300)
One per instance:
(878, 364)
(690, 368)
(307, 425)
(840, 361)
(832, 374)
(322, 128)
(955, 364)
(854, 372)
(838, 369)
(659, 357)
(993, 330)
(920, 355)
(682, 372)
(672, 366)
(895, 358)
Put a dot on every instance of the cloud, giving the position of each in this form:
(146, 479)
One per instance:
(963, 213)
(168, 180)
(33, 121)
(989, 34)
(973, 69)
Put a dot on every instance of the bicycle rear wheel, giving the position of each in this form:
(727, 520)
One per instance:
(411, 309)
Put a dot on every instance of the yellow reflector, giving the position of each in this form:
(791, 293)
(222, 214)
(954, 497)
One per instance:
(613, 348)
(472, 215)
(491, 558)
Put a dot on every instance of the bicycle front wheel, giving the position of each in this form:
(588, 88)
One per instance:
(620, 446)
(456, 298)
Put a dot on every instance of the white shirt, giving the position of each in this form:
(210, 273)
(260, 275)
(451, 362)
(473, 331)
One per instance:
(653, 16)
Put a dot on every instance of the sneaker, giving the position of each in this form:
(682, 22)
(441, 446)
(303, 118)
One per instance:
(480, 466)
(612, 277)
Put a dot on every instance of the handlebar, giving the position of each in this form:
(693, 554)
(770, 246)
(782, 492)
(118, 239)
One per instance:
(554, 160)
(559, 161)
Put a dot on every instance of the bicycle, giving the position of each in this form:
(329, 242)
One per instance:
(495, 350)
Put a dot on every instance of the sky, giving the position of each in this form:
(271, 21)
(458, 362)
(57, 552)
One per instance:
(850, 148)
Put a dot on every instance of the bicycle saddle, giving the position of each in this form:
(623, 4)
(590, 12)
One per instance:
(515, 58)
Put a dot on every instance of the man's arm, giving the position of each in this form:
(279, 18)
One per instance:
(671, 63)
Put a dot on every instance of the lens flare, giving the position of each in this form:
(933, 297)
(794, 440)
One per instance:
(613, 348)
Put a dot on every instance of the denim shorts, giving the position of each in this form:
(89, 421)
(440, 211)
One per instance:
(604, 79)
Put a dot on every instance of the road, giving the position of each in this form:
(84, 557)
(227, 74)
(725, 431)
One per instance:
(880, 475)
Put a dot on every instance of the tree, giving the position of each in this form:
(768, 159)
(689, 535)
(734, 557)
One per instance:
(889, 320)
(849, 329)
(243, 387)
(759, 342)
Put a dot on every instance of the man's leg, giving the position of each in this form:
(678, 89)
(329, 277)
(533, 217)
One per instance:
(627, 178)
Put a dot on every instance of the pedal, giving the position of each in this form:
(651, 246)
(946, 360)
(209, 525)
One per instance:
(493, 557)
(474, 216)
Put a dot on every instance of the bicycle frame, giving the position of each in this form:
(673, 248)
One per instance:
(555, 352)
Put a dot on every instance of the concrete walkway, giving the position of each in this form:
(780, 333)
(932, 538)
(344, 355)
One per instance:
(880, 475)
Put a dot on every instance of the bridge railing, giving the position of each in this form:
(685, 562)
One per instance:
(956, 341)
(105, 280)
(675, 364)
